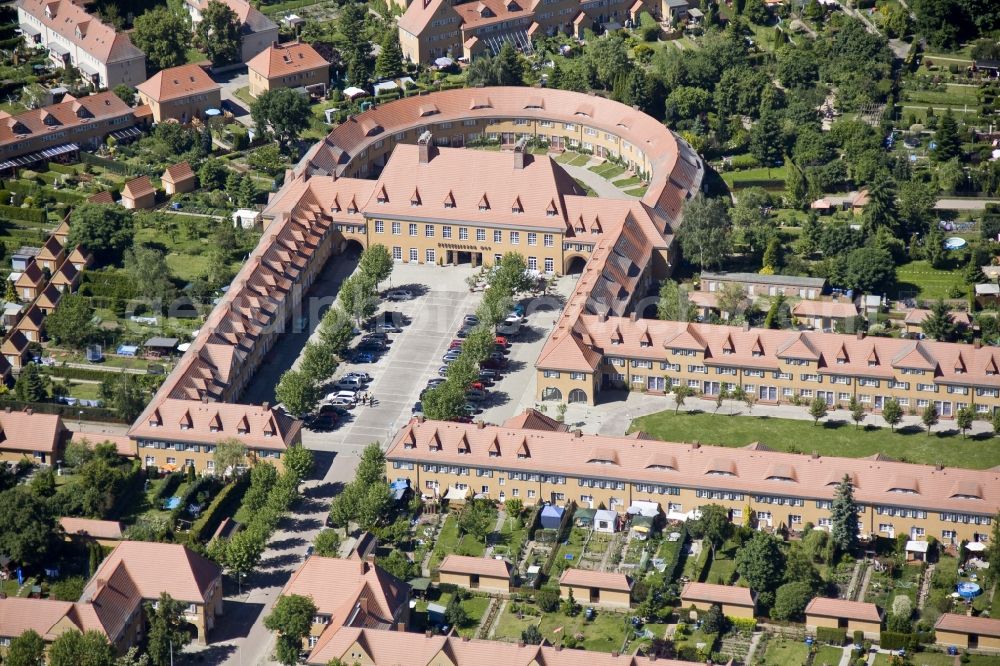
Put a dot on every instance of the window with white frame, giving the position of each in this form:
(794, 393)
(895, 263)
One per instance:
(430, 256)
(379, 227)
(395, 228)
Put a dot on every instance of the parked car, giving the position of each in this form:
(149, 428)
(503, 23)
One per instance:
(378, 335)
(385, 327)
(371, 345)
(362, 356)
(363, 376)
(435, 381)
(351, 383)
(488, 376)
(475, 395)
(464, 331)
(451, 355)
(456, 344)
(417, 409)
(471, 320)
(509, 326)
(347, 394)
(443, 371)
(399, 295)
(346, 403)
(501, 341)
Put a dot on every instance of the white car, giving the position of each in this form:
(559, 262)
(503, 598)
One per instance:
(346, 403)
(344, 394)
(399, 295)
(350, 383)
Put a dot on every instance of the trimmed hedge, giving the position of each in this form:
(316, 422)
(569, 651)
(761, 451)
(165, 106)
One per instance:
(24, 214)
(66, 411)
(108, 284)
(896, 640)
(224, 504)
(831, 635)
(673, 567)
(169, 486)
(65, 372)
(62, 168)
(190, 494)
(65, 196)
(765, 183)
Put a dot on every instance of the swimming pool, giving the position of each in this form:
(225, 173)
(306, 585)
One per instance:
(954, 243)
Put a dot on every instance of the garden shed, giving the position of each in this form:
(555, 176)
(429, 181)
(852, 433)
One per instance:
(605, 521)
(584, 517)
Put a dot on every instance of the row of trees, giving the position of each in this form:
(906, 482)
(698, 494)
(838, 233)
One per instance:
(300, 390)
(447, 401)
(164, 35)
(267, 499)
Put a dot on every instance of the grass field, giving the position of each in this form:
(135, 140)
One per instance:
(605, 633)
(955, 95)
(828, 439)
(636, 192)
(760, 173)
(827, 655)
(931, 283)
(783, 652)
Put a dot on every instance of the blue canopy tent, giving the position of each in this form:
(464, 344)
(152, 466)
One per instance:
(552, 517)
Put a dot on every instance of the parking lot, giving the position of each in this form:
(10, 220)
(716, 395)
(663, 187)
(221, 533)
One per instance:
(429, 322)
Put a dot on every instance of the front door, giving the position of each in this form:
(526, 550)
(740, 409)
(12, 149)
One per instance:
(943, 408)
(656, 384)
(768, 393)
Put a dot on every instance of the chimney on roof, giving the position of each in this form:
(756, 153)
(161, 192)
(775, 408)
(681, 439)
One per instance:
(977, 343)
(815, 455)
(631, 317)
(28, 411)
(520, 644)
(578, 433)
(265, 406)
(420, 419)
(429, 633)
(746, 326)
(204, 399)
(939, 468)
(520, 149)
(695, 445)
(603, 317)
(559, 648)
(425, 145)
(480, 424)
(7, 409)
(861, 335)
(465, 639)
(652, 657)
(400, 626)
(614, 654)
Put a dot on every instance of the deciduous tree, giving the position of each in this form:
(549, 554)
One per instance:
(219, 33)
(674, 304)
(106, 231)
(283, 112)
(292, 618)
(929, 417)
(162, 35)
(297, 392)
(27, 649)
(72, 648)
(706, 233)
(165, 633)
(892, 412)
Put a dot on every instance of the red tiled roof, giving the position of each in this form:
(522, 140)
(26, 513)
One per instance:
(752, 471)
(68, 114)
(196, 421)
(836, 310)
(104, 197)
(98, 39)
(852, 610)
(98, 529)
(154, 568)
(138, 187)
(482, 566)
(716, 594)
(21, 431)
(967, 624)
(532, 419)
(284, 59)
(602, 579)
(177, 173)
(917, 316)
(176, 82)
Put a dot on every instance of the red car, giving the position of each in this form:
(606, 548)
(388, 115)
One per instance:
(502, 341)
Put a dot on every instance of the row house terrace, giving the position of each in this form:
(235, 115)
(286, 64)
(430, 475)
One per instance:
(184, 433)
(440, 458)
(779, 366)
(298, 238)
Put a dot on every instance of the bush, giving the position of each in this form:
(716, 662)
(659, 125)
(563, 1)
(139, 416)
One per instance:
(547, 600)
(739, 162)
(859, 637)
(743, 624)
(831, 635)
(790, 600)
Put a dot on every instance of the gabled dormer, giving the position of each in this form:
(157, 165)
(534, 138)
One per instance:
(215, 425)
(959, 368)
(243, 428)
(728, 347)
(484, 203)
(335, 206)
(523, 452)
(552, 210)
(415, 197)
(155, 419)
(991, 367)
(842, 357)
(17, 127)
(595, 227)
(382, 196)
(516, 207)
(81, 29)
(51, 10)
(49, 119)
(410, 440)
(270, 428)
(645, 340)
(494, 450)
(616, 336)
(512, 6)
(352, 207)
(873, 359)
(449, 200)
(186, 423)
(484, 11)
(81, 111)
(757, 348)
(435, 441)
(463, 445)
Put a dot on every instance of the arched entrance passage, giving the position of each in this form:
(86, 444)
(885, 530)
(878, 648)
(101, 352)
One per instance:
(551, 393)
(577, 395)
(352, 248)
(575, 264)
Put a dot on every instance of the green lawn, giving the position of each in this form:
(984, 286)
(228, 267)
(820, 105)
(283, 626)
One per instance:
(605, 633)
(954, 96)
(827, 655)
(579, 160)
(761, 173)
(627, 182)
(827, 439)
(637, 191)
(475, 608)
(449, 542)
(783, 652)
(930, 283)
(573, 547)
